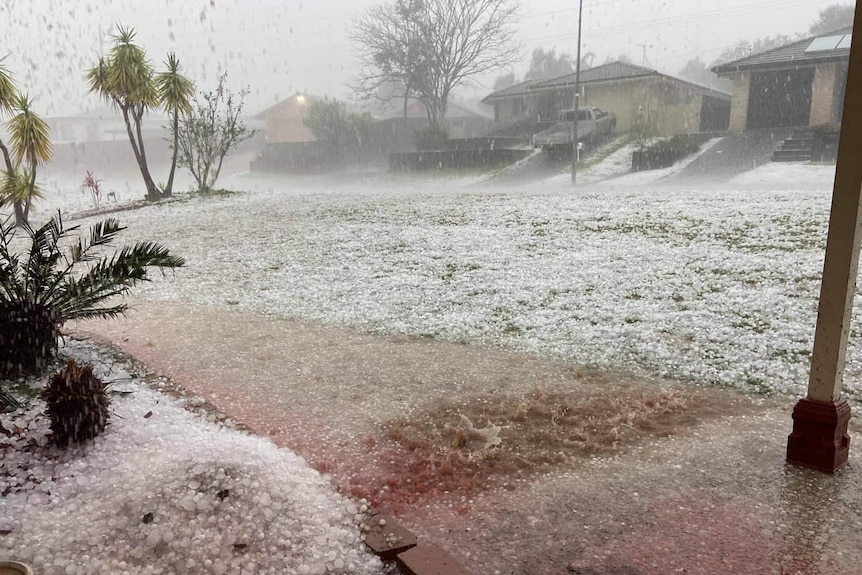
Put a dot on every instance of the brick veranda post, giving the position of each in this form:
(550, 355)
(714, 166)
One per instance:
(819, 438)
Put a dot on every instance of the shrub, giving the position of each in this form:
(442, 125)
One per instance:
(664, 153)
(677, 146)
(46, 287)
(77, 404)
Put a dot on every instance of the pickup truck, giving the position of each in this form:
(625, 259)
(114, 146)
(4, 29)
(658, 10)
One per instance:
(592, 124)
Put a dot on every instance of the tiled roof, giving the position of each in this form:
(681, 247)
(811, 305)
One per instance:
(603, 73)
(793, 53)
(513, 90)
(416, 110)
(289, 101)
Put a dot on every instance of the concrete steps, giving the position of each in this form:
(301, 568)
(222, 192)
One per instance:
(799, 147)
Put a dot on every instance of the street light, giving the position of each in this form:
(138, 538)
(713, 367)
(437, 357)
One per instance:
(577, 97)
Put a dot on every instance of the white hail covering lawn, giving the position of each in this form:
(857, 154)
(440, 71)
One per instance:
(168, 493)
(717, 285)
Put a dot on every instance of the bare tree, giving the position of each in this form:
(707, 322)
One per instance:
(210, 132)
(393, 46)
(433, 46)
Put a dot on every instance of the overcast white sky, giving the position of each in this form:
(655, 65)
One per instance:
(278, 47)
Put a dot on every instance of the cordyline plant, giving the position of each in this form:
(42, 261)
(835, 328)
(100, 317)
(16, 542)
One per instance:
(92, 183)
(28, 147)
(44, 288)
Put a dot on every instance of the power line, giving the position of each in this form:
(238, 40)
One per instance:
(672, 20)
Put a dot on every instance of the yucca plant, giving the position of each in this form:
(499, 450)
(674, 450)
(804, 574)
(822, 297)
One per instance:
(77, 404)
(15, 187)
(44, 288)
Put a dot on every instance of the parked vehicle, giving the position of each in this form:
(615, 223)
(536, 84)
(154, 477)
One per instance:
(593, 123)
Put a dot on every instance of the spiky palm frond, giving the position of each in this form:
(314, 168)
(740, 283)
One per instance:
(15, 187)
(8, 91)
(101, 234)
(129, 73)
(49, 278)
(53, 285)
(44, 256)
(29, 134)
(10, 288)
(175, 90)
(97, 79)
(110, 277)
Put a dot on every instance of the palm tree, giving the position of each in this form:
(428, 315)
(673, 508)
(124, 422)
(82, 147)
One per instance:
(175, 94)
(126, 80)
(15, 187)
(8, 93)
(46, 287)
(31, 146)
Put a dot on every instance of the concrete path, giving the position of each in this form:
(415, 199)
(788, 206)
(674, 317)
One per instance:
(715, 498)
(735, 154)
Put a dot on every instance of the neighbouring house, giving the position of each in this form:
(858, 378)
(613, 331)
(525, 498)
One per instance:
(668, 105)
(399, 128)
(283, 122)
(98, 140)
(292, 147)
(289, 145)
(799, 84)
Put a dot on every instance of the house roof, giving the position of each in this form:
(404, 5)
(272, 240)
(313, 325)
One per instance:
(287, 102)
(603, 73)
(416, 109)
(513, 90)
(611, 72)
(809, 50)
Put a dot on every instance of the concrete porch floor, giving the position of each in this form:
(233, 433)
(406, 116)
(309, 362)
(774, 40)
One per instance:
(720, 500)
(716, 498)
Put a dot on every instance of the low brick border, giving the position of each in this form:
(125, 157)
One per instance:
(390, 540)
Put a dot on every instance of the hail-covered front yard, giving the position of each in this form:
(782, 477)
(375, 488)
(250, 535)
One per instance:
(715, 285)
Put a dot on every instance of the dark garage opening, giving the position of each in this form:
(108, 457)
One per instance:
(780, 99)
(714, 114)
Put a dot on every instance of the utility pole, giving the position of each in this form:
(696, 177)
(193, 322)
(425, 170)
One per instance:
(644, 60)
(577, 98)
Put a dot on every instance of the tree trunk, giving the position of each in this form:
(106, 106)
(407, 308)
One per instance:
(6, 157)
(153, 193)
(218, 171)
(169, 187)
(142, 166)
(20, 219)
(31, 188)
(205, 176)
(441, 112)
